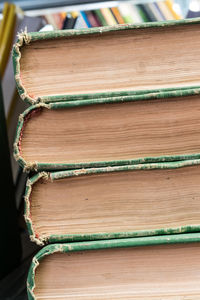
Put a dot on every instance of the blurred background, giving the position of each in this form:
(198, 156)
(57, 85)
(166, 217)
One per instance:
(16, 250)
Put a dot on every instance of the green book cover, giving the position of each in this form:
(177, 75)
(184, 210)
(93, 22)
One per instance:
(141, 13)
(109, 132)
(126, 12)
(163, 267)
(118, 60)
(113, 202)
(100, 17)
(147, 12)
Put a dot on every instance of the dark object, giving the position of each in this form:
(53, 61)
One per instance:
(69, 22)
(94, 22)
(10, 250)
(147, 12)
(192, 14)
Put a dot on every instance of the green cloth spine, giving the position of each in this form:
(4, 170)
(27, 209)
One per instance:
(27, 38)
(27, 165)
(97, 245)
(97, 236)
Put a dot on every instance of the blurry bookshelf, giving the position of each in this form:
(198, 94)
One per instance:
(71, 14)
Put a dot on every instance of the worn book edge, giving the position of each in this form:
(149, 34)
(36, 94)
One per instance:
(34, 165)
(25, 38)
(103, 244)
(42, 240)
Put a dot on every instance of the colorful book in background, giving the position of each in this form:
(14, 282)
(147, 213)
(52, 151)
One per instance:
(55, 19)
(100, 17)
(116, 13)
(70, 20)
(137, 16)
(155, 12)
(94, 22)
(169, 5)
(85, 18)
(165, 10)
(96, 18)
(156, 6)
(108, 16)
(58, 20)
(125, 13)
(148, 12)
(142, 14)
(193, 14)
(80, 22)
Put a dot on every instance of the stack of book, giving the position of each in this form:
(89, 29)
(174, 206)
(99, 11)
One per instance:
(112, 136)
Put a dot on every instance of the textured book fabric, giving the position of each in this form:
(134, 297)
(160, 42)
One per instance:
(108, 132)
(118, 269)
(125, 60)
(113, 202)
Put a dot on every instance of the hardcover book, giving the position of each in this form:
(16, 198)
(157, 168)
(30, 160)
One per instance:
(94, 133)
(113, 202)
(108, 61)
(167, 269)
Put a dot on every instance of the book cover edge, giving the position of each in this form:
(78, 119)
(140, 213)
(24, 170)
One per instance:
(42, 240)
(28, 166)
(103, 244)
(25, 38)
